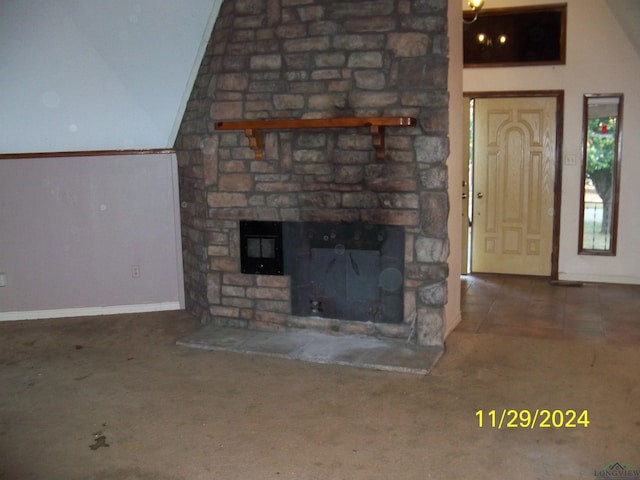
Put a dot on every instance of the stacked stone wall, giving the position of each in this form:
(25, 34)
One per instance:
(270, 59)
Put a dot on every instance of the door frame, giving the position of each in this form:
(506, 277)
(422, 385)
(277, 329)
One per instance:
(557, 183)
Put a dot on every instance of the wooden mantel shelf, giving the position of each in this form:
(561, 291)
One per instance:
(253, 128)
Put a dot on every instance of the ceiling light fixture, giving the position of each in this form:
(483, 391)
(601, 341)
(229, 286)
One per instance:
(475, 6)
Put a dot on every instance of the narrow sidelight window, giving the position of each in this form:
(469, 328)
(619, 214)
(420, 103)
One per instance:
(602, 142)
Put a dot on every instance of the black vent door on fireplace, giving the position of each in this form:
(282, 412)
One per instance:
(261, 247)
(345, 283)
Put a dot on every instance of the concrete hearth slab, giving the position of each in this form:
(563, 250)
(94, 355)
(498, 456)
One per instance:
(316, 347)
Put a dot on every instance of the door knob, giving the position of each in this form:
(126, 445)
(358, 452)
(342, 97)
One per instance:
(480, 194)
(464, 196)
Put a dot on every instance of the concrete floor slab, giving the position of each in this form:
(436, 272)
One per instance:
(70, 387)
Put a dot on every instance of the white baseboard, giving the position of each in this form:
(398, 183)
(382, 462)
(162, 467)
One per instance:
(598, 278)
(89, 311)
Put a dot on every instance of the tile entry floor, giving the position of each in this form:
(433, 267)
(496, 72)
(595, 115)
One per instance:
(536, 307)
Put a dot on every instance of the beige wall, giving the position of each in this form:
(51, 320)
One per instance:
(600, 59)
(72, 227)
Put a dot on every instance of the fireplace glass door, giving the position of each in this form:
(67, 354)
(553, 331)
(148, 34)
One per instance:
(346, 271)
(345, 283)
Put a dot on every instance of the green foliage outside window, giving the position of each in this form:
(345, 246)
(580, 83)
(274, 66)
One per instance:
(600, 157)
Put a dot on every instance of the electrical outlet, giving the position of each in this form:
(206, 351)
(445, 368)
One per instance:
(135, 271)
(3, 279)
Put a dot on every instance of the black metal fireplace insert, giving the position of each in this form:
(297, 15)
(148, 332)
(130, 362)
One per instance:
(346, 271)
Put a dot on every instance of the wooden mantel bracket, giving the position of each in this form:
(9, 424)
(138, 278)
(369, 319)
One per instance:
(253, 128)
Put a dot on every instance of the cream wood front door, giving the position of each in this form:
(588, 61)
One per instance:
(513, 182)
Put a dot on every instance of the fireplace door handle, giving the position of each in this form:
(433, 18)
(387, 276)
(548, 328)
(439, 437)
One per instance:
(354, 265)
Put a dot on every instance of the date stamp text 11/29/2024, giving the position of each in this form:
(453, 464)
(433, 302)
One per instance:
(538, 418)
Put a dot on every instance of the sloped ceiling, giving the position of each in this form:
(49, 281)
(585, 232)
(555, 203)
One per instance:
(627, 12)
(81, 75)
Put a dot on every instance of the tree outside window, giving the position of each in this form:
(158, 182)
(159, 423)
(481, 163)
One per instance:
(600, 174)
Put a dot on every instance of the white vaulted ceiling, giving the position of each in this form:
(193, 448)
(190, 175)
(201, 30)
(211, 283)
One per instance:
(97, 74)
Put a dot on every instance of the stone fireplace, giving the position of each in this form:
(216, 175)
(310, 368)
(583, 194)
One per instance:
(370, 224)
